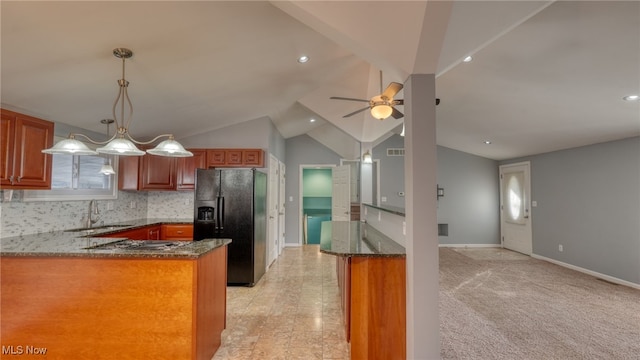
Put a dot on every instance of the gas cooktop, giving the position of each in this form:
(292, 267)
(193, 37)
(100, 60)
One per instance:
(140, 245)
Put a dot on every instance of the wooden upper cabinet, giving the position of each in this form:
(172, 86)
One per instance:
(186, 173)
(147, 172)
(23, 165)
(150, 172)
(157, 173)
(235, 158)
(216, 157)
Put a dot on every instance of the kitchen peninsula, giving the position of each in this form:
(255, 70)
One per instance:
(68, 295)
(371, 271)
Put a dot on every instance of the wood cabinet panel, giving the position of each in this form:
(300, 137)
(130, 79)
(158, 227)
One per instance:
(7, 129)
(177, 232)
(216, 157)
(378, 308)
(128, 172)
(115, 308)
(157, 173)
(24, 166)
(186, 172)
(235, 158)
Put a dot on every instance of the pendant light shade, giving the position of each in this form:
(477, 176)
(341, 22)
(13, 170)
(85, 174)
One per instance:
(121, 143)
(107, 169)
(70, 146)
(120, 146)
(170, 147)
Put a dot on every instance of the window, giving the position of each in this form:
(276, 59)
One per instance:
(76, 177)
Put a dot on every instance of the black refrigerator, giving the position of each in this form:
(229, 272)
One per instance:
(232, 204)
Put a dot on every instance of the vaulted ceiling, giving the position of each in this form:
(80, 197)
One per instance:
(545, 75)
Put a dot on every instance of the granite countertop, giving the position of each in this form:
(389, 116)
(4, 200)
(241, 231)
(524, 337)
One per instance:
(355, 238)
(391, 209)
(78, 244)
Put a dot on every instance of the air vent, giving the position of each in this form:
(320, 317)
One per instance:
(395, 151)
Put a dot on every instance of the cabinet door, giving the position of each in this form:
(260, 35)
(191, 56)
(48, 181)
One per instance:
(153, 233)
(234, 158)
(216, 157)
(32, 168)
(128, 172)
(6, 148)
(253, 157)
(157, 173)
(186, 174)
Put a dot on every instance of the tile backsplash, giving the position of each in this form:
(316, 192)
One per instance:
(22, 218)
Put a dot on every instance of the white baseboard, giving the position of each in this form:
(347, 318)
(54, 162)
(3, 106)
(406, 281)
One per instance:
(470, 245)
(291, 245)
(588, 272)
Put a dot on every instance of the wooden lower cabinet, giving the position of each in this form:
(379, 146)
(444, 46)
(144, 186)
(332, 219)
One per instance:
(177, 232)
(114, 308)
(146, 233)
(373, 293)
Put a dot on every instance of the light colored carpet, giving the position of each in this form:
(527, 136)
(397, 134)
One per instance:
(498, 304)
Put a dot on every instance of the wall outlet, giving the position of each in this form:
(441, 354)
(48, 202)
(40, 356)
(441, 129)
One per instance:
(132, 205)
(383, 199)
(560, 248)
(109, 205)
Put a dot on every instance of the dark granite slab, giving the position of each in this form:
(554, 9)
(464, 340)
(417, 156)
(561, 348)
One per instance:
(82, 243)
(355, 238)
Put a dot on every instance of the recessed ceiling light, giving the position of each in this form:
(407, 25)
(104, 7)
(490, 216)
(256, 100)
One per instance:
(312, 120)
(303, 59)
(468, 59)
(631, 97)
(487, 142)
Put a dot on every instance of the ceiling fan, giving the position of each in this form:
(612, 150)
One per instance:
(382, 106)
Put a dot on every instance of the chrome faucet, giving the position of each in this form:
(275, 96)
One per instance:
(93, 210)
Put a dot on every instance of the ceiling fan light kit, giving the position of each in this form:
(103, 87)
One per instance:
(121, 143)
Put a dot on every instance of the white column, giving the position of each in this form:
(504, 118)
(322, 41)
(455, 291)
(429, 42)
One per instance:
(423, 328)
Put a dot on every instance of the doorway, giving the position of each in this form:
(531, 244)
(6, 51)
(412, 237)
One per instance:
(515, 205)
(315, 201)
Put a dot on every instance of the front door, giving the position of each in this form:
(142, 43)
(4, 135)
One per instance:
(515, 205)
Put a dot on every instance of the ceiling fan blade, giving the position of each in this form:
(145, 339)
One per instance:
(392, 90)
(396, 114)
(398, 102)
(350, 99)
(355, 112)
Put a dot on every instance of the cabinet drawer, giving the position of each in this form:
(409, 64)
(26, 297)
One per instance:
(178, 232)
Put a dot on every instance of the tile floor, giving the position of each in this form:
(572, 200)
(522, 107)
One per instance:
(292, 313)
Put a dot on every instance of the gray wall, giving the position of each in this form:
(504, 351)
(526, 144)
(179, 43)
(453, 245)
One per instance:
(391, 170)
(589, 201)
(301, 150)
(471, 202)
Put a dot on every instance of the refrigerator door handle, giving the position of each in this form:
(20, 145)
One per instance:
(221, 213)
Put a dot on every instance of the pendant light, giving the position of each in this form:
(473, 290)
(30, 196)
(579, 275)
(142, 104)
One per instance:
(121, 143)
(106, 168)
(366, 158)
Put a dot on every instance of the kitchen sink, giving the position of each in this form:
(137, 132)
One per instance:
(102, 227)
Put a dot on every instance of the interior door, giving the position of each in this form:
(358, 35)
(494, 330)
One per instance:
(515, 205)
(340, 193)
(272, 200)
(281, 204)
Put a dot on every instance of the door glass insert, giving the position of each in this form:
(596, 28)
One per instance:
(514, 197)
